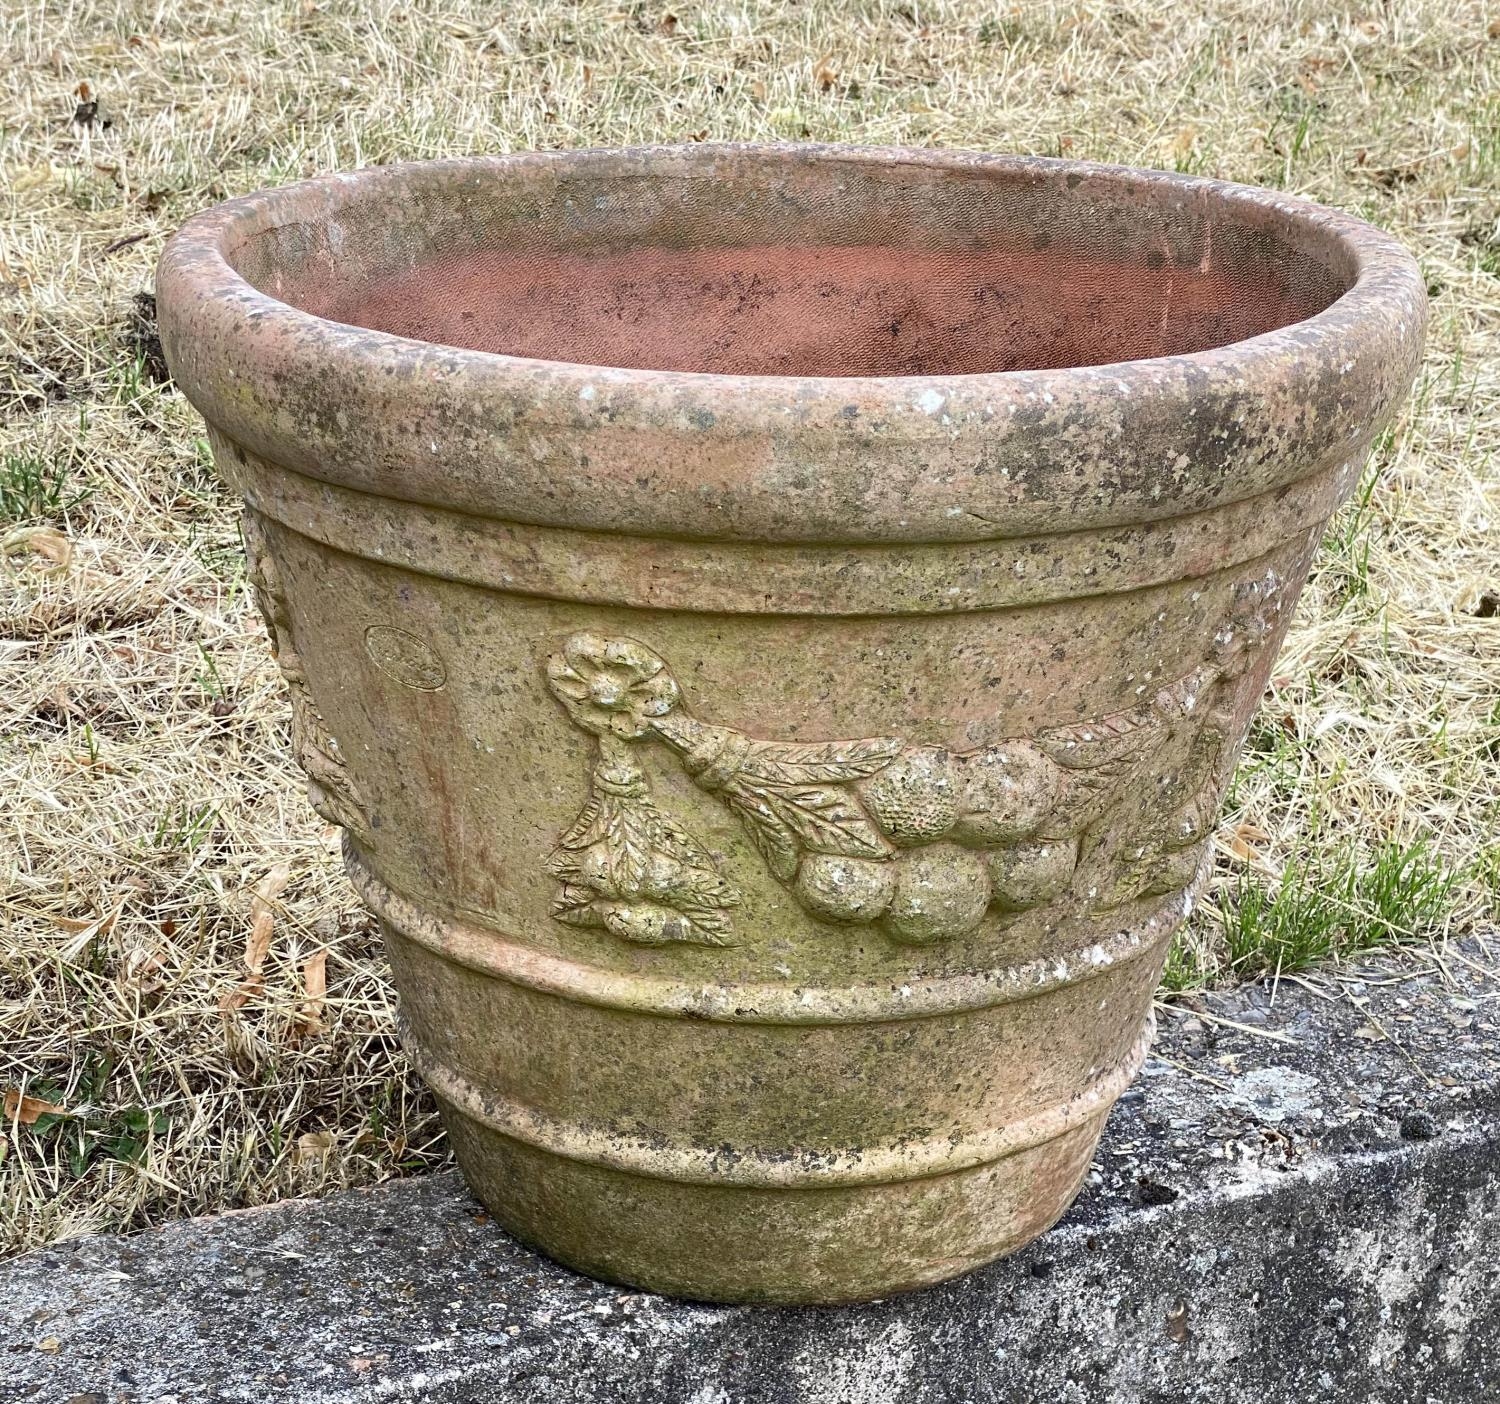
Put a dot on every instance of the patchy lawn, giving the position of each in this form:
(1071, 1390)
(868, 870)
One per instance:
(194, 1013)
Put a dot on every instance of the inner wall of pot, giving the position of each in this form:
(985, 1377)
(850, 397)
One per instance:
(761, 265)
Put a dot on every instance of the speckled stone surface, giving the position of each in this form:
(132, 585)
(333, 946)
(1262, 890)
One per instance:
(1306, 1207)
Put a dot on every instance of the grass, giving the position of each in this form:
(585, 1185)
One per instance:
(35, 490)
(153, 823)
(1344, 902)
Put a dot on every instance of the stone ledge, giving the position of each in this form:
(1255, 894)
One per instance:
(1303, 1207)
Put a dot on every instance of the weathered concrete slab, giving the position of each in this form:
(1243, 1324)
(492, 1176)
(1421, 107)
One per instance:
(1304, 1208)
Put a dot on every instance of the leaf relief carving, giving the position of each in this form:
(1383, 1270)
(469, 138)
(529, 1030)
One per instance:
(917, 839)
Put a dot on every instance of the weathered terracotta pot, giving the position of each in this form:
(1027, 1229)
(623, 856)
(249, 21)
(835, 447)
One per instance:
(775, 624)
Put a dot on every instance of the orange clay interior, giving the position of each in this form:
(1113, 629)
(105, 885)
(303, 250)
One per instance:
(1039, 281)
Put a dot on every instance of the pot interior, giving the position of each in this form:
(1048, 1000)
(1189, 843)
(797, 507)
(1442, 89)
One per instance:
(772, 263)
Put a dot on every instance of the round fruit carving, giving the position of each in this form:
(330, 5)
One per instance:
(1003, 793)
(1026, 875)
(941, 892)
(913, 797)
(845, 889)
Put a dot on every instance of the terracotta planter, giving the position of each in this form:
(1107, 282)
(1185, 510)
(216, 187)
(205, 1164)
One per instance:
(775, 624)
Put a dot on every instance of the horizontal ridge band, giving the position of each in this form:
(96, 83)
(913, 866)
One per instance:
(495, 953)
(752, 578)
(750, 1167)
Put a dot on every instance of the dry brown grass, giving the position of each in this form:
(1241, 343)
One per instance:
(144, 758)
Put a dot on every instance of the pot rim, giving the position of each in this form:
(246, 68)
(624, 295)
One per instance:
(1358, 352)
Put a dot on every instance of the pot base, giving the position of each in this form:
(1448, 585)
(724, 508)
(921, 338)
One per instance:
(781, 1247)
(737, 1214)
